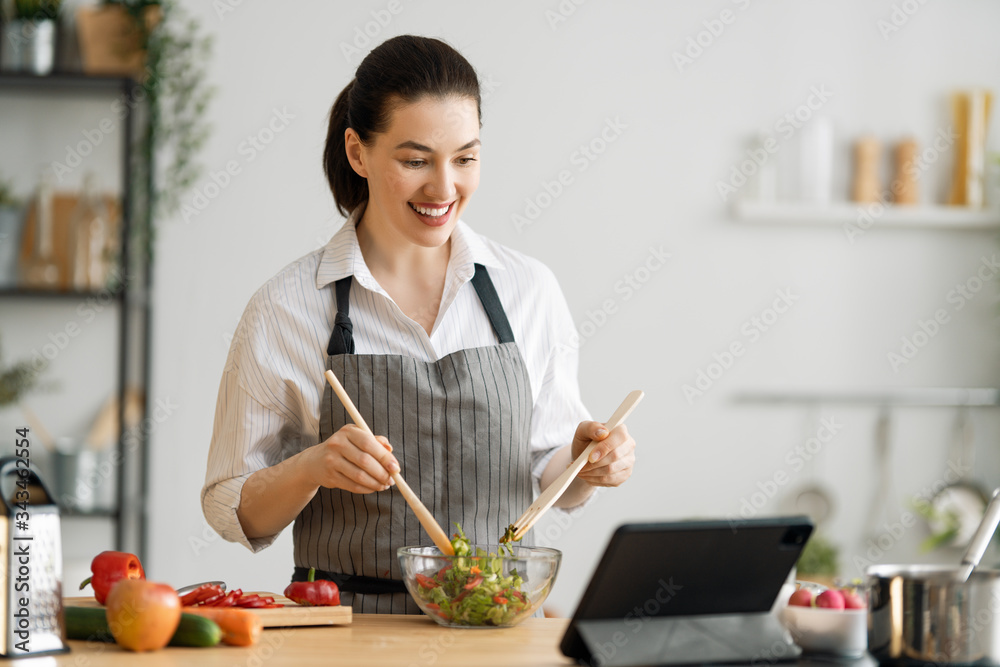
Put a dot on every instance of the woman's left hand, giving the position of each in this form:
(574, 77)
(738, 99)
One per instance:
(612, 460)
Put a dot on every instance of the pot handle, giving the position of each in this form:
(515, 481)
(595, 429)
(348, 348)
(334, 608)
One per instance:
(979, 542)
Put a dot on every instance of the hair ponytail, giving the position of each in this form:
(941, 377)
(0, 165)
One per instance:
(349, 189)
(401, 69)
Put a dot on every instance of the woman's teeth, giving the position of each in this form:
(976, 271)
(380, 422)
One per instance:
(432, 212)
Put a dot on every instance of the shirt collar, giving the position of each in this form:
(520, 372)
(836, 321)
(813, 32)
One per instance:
(342, 255)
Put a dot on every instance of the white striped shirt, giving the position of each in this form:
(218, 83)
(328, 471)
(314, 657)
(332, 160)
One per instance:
(273, 377)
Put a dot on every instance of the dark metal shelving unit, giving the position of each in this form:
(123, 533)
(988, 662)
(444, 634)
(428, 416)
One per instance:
(131, 299)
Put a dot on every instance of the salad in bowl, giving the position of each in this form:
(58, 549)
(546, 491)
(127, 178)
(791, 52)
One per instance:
(479, 586)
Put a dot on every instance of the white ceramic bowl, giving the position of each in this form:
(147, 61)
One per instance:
(842, 632)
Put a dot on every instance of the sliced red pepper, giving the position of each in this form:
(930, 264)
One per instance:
(245, 600)
(499, 599)
(109, 567)
(208, 602)
(426, 582)
(203, 592)
(433, 605)
(475, 581)
(518, 594)
(231, 599)
(252, 604)
(313, 592)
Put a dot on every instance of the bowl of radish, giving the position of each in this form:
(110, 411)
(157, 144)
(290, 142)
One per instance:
(832, 621)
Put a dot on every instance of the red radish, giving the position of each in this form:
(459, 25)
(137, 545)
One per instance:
(830, 599)
(853, 601)
(801, 598)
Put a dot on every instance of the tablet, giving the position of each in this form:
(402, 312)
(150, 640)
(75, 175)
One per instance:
(688, 592)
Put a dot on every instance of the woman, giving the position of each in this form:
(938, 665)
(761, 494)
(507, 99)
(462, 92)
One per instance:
(456, 350)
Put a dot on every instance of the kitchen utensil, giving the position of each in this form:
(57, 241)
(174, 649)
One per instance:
(187, 589)
(880, 510)
(38, 427)
(812, 498)
(920, 615)
(866, 187)
(291, 614)
(537, 567)
(30, 542)
(426, 519)
(904, 181)
(561, 483)
(104, 430)
(981, 540)
(956, 509)
(42, 271)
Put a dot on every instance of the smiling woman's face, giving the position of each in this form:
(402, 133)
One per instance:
(422, 170)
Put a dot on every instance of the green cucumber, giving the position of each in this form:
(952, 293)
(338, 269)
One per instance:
(91, 624)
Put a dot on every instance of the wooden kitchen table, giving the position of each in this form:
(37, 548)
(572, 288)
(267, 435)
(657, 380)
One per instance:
(376, 640)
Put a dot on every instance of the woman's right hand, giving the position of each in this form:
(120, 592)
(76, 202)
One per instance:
(353, 460)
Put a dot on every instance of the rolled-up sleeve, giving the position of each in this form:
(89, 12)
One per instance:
(247, 434)
(558, 409)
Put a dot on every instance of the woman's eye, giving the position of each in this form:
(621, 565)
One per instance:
(413, 164)
(466, 160)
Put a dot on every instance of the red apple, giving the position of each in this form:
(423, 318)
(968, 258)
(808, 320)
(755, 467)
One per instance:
(852, 600)
(801, 598)
(830, 599)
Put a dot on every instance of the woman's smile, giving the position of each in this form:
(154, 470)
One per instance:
(434, 215)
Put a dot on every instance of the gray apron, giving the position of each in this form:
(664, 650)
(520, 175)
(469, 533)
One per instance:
(459, 428)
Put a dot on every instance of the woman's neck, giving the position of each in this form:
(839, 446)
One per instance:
(391, 255)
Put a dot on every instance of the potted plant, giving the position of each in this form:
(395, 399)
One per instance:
(114, 36)
(11, 222)
(18, 380)
(29, 38)
(159, 45)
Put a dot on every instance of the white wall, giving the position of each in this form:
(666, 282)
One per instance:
(556, 87)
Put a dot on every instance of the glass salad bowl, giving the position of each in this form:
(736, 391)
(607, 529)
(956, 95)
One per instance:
(481, 589)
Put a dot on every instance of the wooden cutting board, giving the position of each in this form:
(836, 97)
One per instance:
(281, 617)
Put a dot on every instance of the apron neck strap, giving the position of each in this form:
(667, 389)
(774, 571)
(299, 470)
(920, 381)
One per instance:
(491, 302)
(342, 338)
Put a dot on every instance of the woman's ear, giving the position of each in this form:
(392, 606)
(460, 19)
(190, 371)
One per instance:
(355, 152)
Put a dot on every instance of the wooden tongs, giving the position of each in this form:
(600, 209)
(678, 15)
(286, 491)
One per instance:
(424, 515)
(551, 494)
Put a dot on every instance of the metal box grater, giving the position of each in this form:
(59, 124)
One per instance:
(31, 610)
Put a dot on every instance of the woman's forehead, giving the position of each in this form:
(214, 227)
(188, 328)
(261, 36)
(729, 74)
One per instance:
(439, 123)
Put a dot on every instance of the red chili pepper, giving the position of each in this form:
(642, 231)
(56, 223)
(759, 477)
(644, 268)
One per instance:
(315, 593)
(426, 582)
(108, 568)
(475, 581)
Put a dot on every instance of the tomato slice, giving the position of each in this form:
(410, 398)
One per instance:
(475, 581)
(499, 599)
(426, 582)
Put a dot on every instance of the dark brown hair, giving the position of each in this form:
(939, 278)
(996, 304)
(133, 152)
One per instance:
(400, 70)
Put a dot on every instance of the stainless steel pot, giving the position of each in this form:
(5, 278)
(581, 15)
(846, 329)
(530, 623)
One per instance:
(925, 614)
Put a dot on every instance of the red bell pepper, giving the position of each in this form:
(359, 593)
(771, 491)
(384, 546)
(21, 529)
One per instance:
(108, 568)
(321, 593)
